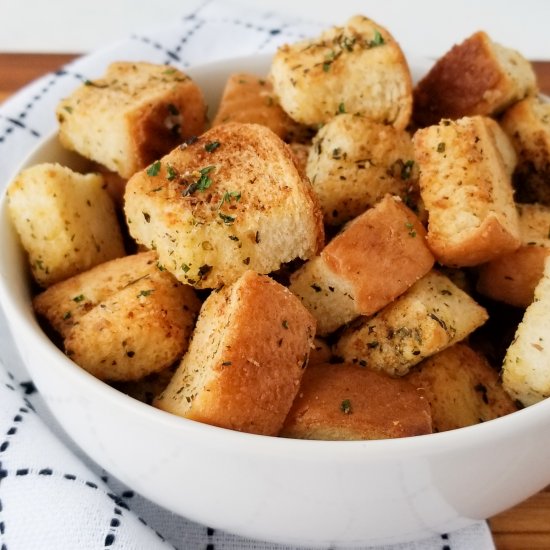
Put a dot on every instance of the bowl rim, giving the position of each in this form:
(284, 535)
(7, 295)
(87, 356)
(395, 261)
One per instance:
(414, 445)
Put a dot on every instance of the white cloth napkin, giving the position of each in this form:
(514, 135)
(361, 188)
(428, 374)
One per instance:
(51, 495)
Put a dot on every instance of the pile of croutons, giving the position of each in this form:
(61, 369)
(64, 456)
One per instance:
(340, 256)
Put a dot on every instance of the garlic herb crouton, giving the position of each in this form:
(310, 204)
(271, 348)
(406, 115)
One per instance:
(357, 69)
(354, 162)
(466, 188)
(66, 221)
(231, 201)
(133, 115)
(431, 316)
(246, 358)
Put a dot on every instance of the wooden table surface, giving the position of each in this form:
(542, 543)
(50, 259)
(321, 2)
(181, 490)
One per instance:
(525, 527)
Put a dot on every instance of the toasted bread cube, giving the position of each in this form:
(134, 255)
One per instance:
(66, 221)
(132, 116)
(461, 387)
(527, 124)
(512, 278)
(358, 69)
(248, 98)
(347, 402)
(467, 190)
(141, 329)
(526, 368)
(246, 358)
(64, 303)
(476, 77)
(431, 316)
(214, 212)
(354, 162)
(372, 261)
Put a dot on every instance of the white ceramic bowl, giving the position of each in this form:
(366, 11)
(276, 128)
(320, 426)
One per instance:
(300, 492)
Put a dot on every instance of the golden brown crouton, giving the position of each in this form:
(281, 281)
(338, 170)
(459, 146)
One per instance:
(246, 358)
(526, 368)
(320, 352)
(248, 98)
(512, 278)
(231, 201)
(527, 124)
(358, 68)
(354, 162)
(132, 116)
(476, 77)
(347, 402)
(466, 188)
(141, 329)
(461, 387)
(66, 221)
(372, 261)
(64, 303)
(431, 316)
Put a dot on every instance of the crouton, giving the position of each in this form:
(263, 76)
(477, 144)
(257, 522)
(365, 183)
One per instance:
(132, 116)
(526, 368)
(246, 358)
(358, 69)
(354, 162)
(231, 201)
(461, 387)
(347, 402)
(248, 98)
(141, 329)
(512, 278)
(66, 221)
(527, 124)
(64, 303)
(372, 261)
(476, 77)
(431, 316)
(467, 190)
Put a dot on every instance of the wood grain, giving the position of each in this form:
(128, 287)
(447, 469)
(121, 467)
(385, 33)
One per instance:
(524, 527)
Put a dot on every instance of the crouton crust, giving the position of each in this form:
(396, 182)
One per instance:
(246, 358)
(348, 402)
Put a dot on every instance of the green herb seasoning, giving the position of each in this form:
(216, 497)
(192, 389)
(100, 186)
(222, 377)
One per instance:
(171, 173)
(410, 227)
(185, 268)
(228, 220)
(345, 406)
(441, 147)
(154, 169)
(144, 293)
(341, 108)
(211, 146)
(78, 298)
(406, 170)
(378, 39)
(285, 324)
